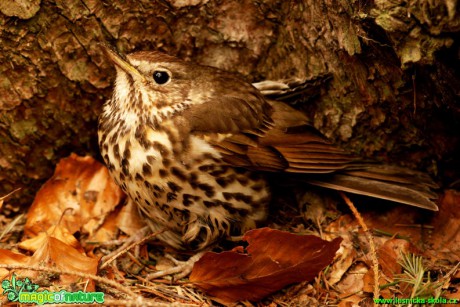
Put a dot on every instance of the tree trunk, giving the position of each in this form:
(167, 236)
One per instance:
(394, 94)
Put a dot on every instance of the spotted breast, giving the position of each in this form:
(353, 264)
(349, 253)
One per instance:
(187, 143)
(178, 180)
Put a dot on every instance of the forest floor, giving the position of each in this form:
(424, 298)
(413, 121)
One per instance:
(81, 234)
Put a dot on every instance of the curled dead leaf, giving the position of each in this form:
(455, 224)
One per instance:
(80, 184)
(274, 260)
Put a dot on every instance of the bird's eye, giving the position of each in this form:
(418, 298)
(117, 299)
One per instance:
(160, 77)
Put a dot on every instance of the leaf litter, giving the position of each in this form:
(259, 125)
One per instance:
(80, 215)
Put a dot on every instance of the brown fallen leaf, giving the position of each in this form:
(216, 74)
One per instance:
(55, 253)
(445, 239)
(81, 184)
(274, 260)
(129, 220)
(9, 257)
(352, 282)
(390, 255)
(58, 232)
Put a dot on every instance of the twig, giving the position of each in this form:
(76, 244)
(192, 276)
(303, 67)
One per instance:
(375, 262)
(128, 245)
(2, 198)
(11, 226)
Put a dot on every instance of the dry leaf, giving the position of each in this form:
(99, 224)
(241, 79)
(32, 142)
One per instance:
(351, 301)
(8, 257)
(274, 260)
(345, 259)
(54, 253)
(390, 254)
(128, 220)
(57, 232)
(78, 183)
(106, 232)
(352, 281)
(125, 218)
(445, 238)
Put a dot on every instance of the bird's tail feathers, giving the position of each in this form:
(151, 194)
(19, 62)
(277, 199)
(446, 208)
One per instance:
(383, 181)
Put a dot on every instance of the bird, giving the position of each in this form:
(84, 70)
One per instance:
(191, 145)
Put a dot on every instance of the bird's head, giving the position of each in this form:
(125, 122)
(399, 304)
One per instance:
(152, 87)
(152, 84)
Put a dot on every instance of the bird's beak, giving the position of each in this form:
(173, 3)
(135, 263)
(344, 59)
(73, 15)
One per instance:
(120, 62)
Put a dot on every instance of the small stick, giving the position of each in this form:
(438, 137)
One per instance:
(375, 262)
(125, 248)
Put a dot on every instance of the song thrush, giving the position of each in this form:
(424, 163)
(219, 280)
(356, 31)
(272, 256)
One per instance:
(190, 144)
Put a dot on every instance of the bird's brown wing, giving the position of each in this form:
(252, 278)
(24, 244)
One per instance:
(302, 149)
(268, 135)
(289, 144)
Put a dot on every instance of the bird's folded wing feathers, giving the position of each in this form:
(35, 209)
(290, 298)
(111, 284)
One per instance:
(279, 138)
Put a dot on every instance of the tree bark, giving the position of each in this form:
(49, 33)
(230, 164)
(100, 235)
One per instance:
(394, 94)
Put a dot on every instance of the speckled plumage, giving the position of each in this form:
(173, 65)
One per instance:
(175, 177)
(187, 150)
